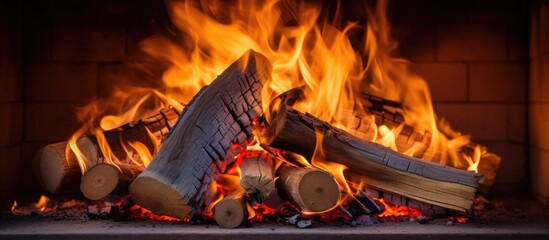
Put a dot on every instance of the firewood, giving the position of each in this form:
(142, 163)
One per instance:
(312, 190)
(59, 172)
(385, 112)
(380, 167)
(257, 170)
(108, 182)
(232, 210)
(119, 139)
(202, 143)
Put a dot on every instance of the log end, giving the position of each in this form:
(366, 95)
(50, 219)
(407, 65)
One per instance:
(52, 167)
(100, 181)
(230, 213)
(158, 197)
(319, 191)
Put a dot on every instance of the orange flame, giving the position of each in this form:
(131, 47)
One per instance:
(42, 203)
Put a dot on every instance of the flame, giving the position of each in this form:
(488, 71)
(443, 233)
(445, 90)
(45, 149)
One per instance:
(14, 206)
(42, 203)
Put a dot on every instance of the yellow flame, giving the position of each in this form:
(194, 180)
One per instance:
(14, 206)
(42, 203)
(142, 151)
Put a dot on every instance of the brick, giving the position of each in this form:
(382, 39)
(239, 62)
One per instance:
(471, 42)
(10, 80)
(447, 81)
(416, 41)
(518, 42)
(55, 82)
(67, 11)
(49, 122)
(513, 165)
(539, 79)
(482, 121)
(539, 23)
(501, 82)
(11, 126)
(100, 43)
(539, 125)
(516, 131)
(36, 36)
(539, 174)
(10, 159)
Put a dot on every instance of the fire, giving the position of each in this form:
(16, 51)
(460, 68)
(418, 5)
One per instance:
(42, 203)
(330, 60)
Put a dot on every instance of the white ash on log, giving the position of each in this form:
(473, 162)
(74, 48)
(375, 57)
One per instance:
(312, 190)
(59, 169)
(201, 143)
(108, 182)
(257, 174)
(232, 211)
(379, 166)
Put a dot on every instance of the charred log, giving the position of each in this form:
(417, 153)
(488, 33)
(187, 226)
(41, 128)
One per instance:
(201, 142)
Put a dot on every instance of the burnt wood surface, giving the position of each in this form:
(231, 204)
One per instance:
(380, 167)
(201, 144)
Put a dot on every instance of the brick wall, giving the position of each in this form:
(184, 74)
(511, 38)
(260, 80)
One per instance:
(11, 107)
(474, 55)
(539, 101)
(72, 50)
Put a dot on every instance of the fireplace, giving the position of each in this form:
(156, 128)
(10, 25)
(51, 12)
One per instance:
(485, 63)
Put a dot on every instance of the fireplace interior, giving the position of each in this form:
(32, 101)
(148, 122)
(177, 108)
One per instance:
(486, 64)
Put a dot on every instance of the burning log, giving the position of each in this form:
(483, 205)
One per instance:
(425, 208)
(385, 112)
(312, 190)
(232, 210)
(203, 140)
(257, 179)
(380, 167)
(108, 182)
(142, 132)
(60, 172)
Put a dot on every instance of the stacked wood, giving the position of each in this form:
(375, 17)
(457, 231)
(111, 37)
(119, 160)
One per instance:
(258, 174)
(312, 190)
(232, 211)
(380, 167)
(202, 142)
(59, 168)
(109, 182)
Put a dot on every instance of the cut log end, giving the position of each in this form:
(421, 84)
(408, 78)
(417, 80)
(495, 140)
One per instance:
(312, 190)
(99, 181)
(230, 212)
(60, 173)
(319, 191)
(158, 197)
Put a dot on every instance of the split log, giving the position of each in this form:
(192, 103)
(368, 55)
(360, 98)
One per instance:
(59, 169)
(144, 132)
(201, 144)
(385, 112)
(312, 190)
(232, 210)
(257, 176)
(108, 182)
(380, 167)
